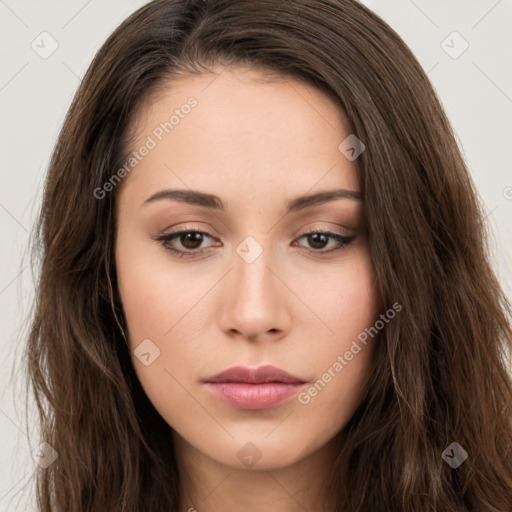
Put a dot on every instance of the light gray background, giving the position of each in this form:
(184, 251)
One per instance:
(475, 89)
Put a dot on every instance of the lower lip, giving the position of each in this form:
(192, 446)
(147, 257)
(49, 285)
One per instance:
(253, 396)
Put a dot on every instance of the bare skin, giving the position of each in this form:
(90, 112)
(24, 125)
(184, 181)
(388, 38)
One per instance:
(256, 145)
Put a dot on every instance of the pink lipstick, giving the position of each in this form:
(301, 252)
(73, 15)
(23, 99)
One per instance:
(253, 388)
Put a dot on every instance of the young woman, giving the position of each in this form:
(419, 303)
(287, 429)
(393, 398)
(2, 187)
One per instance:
(264, 282)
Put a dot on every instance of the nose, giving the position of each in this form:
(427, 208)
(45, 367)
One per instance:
(255, 302)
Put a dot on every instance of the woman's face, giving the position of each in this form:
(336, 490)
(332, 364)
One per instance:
(257, 285)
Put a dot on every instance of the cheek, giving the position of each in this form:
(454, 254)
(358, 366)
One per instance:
(346, 298)
(168, 304)
(358, 300)
(158, 305)
(155, 295)
(342, 357)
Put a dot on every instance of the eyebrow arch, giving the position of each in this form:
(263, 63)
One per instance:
(197, 198)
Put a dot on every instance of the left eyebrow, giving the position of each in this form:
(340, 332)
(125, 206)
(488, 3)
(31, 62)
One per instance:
(212, 201)
(307, 201)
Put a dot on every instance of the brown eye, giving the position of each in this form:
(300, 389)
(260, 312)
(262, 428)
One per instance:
(191, 240)
(318, 240)
(184, 242)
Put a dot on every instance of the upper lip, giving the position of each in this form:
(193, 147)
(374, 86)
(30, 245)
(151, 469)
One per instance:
(263, 374)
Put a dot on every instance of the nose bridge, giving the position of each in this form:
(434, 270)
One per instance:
(251, 272)
(252, 304)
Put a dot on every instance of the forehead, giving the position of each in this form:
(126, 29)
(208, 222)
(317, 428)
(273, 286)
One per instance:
(239, 131)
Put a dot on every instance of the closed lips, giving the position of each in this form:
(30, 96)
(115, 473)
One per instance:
(261, 375)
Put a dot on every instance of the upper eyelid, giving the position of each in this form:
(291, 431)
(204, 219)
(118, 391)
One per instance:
(188, 230)
(302, 233)
(297, 237)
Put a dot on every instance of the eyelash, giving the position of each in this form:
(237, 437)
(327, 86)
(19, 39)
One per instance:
(165, 240)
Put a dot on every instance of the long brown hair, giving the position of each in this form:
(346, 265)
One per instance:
(440, 373)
